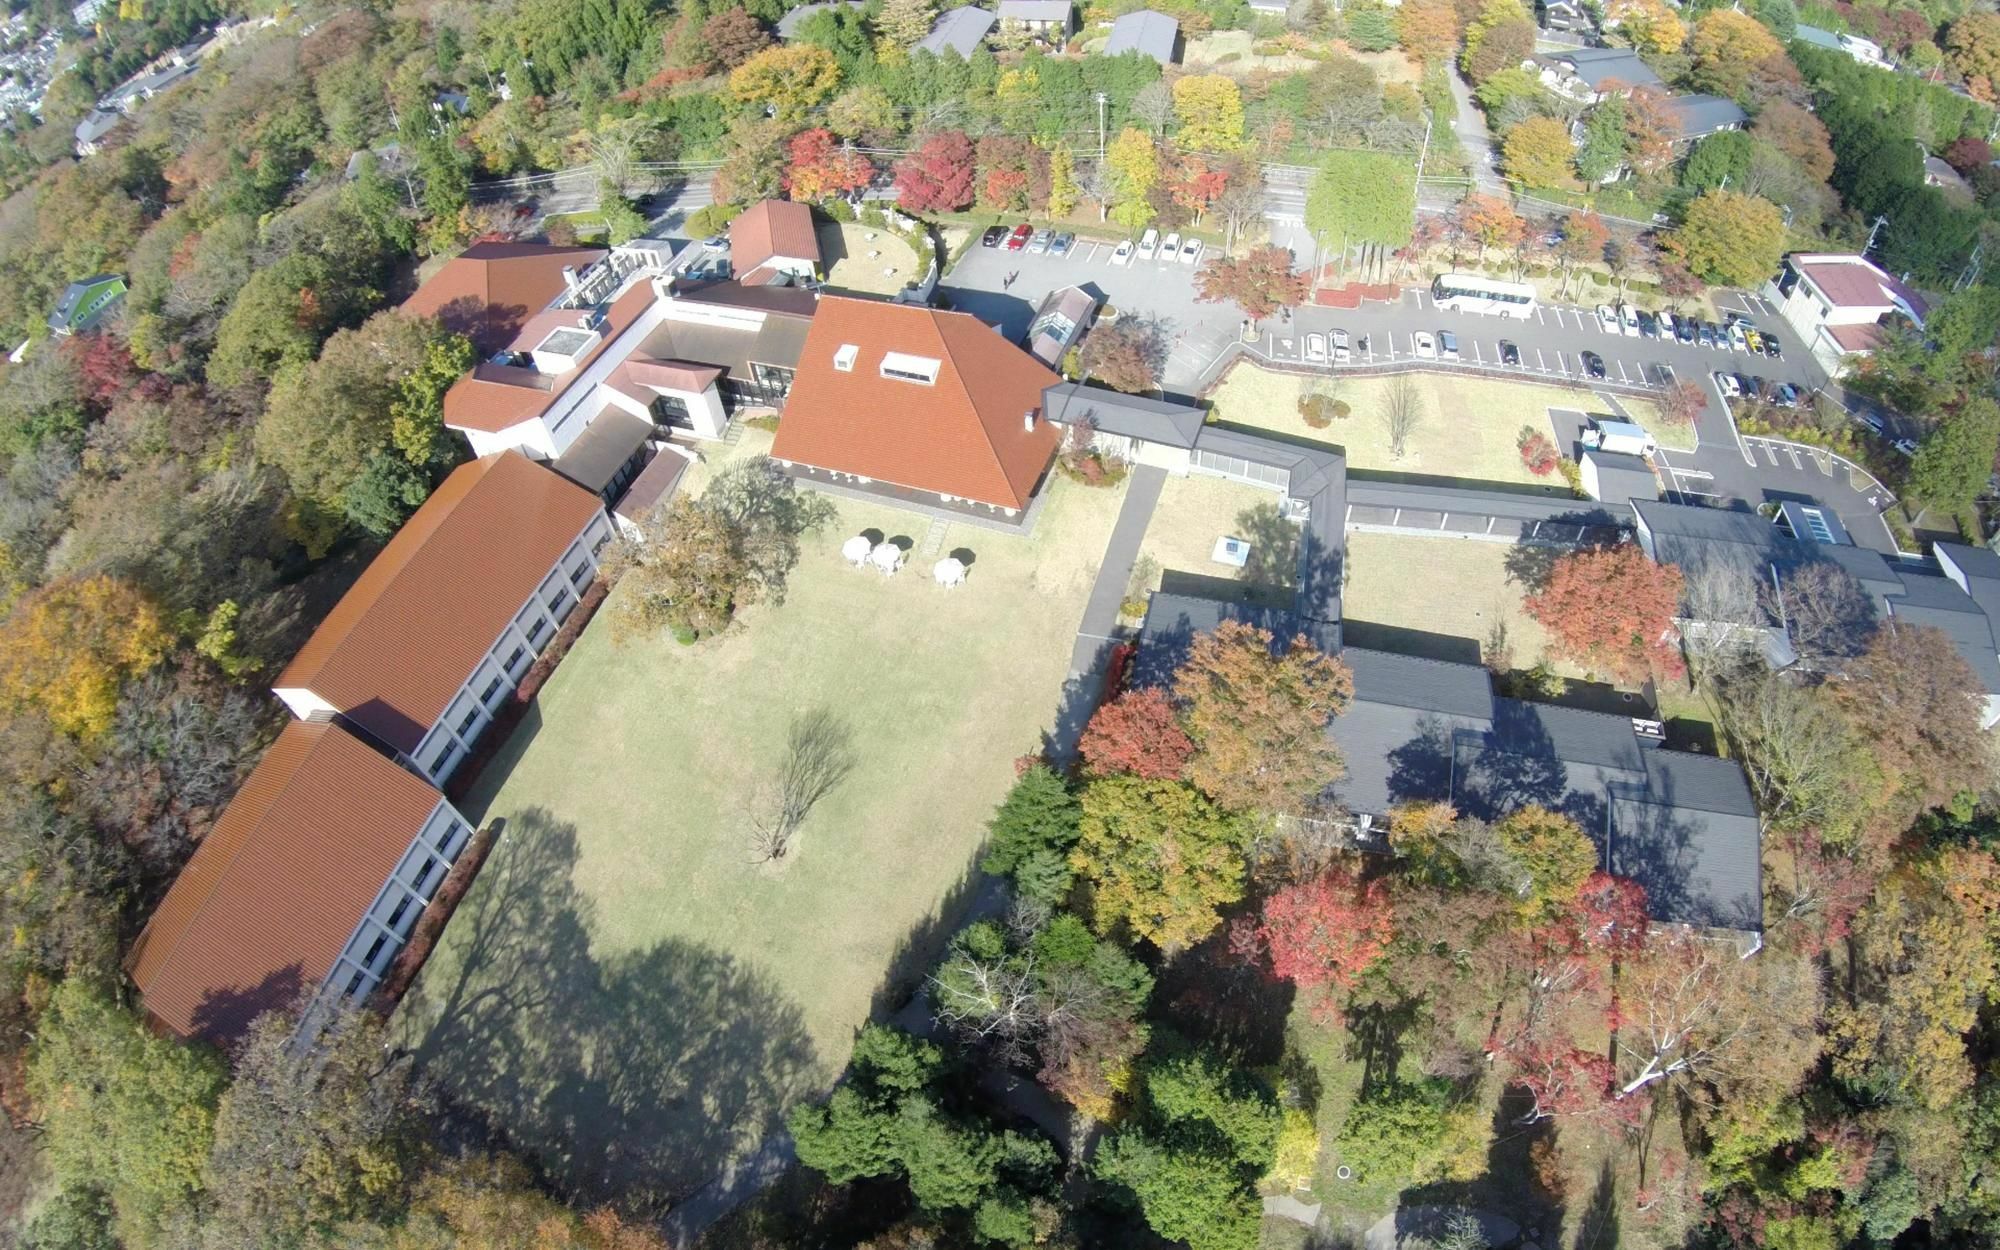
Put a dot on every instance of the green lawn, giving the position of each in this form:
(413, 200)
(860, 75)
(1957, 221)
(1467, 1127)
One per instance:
(1469, 427)
(624, 991)
(1193, 512)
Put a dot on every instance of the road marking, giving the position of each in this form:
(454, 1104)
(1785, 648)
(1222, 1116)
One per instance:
(1541, 361)
(1621, 371)
(1477, 356)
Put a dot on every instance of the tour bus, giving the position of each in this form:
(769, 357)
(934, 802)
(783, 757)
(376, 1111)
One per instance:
(1468, 292)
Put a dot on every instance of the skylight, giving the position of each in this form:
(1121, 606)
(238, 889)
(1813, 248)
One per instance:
(907, 368)
(1816, 522)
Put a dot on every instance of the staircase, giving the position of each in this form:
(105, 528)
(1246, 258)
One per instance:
(934, 537)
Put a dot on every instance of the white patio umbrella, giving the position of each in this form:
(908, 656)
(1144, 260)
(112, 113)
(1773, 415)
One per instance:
(948, 572)
(887, 557)
(855, 550)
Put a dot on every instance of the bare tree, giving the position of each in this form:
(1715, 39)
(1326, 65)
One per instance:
(1100, 186)
(819, 754)
(1402, 412)
(1722, 622)
(1824, 611)
(615, 147)
(1796, 747)
(1153, 105)
(991, 997)
(1241, 203)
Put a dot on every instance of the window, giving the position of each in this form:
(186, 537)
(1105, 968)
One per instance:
(487, 696)
(356, 983)
(402, 909)
(446, 758)
(516, 662)
(669, 410)
(907, 368)
(579, 573)
(467, 721)
(536, 628)
(374, 949)
(559, 606)
(422, 883)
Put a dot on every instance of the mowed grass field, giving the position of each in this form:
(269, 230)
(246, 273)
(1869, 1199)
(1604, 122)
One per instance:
(624, 991)
(1401, 588)
(1469, 429)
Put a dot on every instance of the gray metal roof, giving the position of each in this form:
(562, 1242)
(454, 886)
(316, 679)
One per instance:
(788, 25)
(1977, 563)
(72, 297)
(1129, 416)
(958, 30)
(96, 124)
(1817, 37)
(1035, 10)
(1622, 478)
(1172, 621)
(1423, 685)
(1153, 34)
(1597, 66)
(605, 444)
(1698, 115)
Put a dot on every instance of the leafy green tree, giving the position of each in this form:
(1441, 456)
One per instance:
(1363, 197)
(122, 1110)
(1398, 1130)
(1369, 26)
(1161, 860)
(1031, 834)
(74, 1219)
(1553, 853)
(1952, 465)
(1605, 146)
(1717, 161)
(416, 415)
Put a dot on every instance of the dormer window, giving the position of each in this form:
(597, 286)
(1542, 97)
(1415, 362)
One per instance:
(843, 359)
(906, 368)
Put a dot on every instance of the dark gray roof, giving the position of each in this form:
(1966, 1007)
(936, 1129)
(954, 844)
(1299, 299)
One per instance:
(72, 297)
(1518, 507)
(1808, 521)
(96, 124)
(1147, 32)
(1316, 478)
(1698, 115)
(605, 444)
(1978, 563)
(777, 341)
(1395, 754)
(1622, 478)
(1131, 416)
(958, 30)
(1817, 37)
(1424, 685)
(788, 25)
(1597, 66)
(1172, 621)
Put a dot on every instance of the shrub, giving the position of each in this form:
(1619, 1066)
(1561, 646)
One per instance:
(837, 210)
(711, 220)
(871, 216)
(1538, 453)
(1571, 474)
(1320, 411)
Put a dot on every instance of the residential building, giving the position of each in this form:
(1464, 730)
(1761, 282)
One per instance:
(1273, 8)
(1956, 592)
(1130, 428)
(918, 405)
(1866, 51)
(1565, 17)
(1612, 477)
(1052, 21)
(1839, 303)
(773, 238)
(788, 25)
(1148, 33)
(1699, 116)
(1939, 173)
(1591, 75)
(959, 30)
(86, 302)
(95, 128)
(1061, 320)
(311, 880)
(488, 291)
(443, 624)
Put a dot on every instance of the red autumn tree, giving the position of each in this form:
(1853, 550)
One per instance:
(1006, 189)
(1682, 402)
(1560, 1079)
(1609, 913)
(1538, 451)
(1136, 733)
(1327, 931)
(1195, 186)
(1259, 282)
(937, 177)
(820, 167)
(1611, 609)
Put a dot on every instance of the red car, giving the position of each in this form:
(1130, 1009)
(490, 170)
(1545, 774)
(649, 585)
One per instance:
(1019, 239)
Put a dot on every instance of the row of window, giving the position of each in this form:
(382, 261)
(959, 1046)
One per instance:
(409, 890)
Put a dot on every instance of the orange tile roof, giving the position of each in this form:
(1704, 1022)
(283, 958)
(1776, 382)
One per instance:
(275, 890)
(487, 291)
(772, 228)
(962, 435)
(398, 646)
(494, 398)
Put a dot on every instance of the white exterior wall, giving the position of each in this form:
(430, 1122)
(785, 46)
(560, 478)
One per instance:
(304, 703)
(386, 926)
(1174, 460)
(531, 438)
(509, 658)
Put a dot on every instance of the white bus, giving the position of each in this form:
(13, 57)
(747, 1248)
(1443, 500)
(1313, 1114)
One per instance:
(1468, 292)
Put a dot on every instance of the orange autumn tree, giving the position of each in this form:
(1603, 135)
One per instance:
(1327, 931)
(69, 647)
(1611, 610)
(1259, 720)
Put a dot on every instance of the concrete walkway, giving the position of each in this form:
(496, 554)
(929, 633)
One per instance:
(1286, 1207)
(1473, 138)
(1096, 635)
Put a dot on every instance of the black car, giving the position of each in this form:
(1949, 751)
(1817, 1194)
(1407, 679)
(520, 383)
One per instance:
(994, 236)
(1684, 329)
(1760, 389)
(1509, 354)
(1771, 346)
(1593, 364)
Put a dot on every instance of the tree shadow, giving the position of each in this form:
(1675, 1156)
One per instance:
(1273, 561)
(636, 1074)
(1375, 1037)
(1597, 1227)
(1218, 996)
(973, 894)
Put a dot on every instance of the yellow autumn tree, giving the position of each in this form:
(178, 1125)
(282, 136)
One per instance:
(1651, 25)
(1209, 108)
(790, 79)
(68, 647)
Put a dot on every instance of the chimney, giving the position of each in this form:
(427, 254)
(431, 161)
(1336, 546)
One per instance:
(569, 278)
(1028, 420)
(583, 320)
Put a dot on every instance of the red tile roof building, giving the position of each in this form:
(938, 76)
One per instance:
(315, 873)
(912, 397)
(488, 291)
(772, 237)
(1839, 304)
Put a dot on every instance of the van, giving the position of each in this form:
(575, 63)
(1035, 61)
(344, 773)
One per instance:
(1149, 243)
(1447, 345)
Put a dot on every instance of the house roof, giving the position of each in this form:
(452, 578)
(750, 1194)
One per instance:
(1064, 314)
(73, 297)
(96, 124)
(1855, 282)
(273, 893)
(1129, 416)
(495, 397)
(1598, 66)
(488, 291)
(657, 481)
(1172, 621)
(1622, 478)
(612, 437)
(788, 25)
(1035, 10)
(772, 228)
(958, 30)
(961, 435)
(1698, 115)
(1861, 338)
(1817, 37)
(398, 646)
(1146, 31)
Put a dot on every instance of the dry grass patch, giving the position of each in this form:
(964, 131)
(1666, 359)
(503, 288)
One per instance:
(853, 269)
(1194, 511)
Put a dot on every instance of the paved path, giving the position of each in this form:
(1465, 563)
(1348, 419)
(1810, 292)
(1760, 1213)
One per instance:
(1416, 1226)
(1470, 127)
(1096, 635)
(1286, 1207)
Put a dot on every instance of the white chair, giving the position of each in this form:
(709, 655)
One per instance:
(887, 557)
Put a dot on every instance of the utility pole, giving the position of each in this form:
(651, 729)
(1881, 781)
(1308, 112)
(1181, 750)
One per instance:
(1872, 231)
(1102, 100)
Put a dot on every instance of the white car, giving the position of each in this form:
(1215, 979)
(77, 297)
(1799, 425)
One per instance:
(1315, 349)
(1628, 320)
(1607, 319)
(1172, 247)
(1190, 251)
(1122, 255)
(1425, 346)
(1737, 338)
(1149, 243)
(1342, 351)
(1730, 386)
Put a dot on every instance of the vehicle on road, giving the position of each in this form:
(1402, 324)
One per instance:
(1170, 247)
(1342, 350)
(1509, 354)
(1447, 345)
(1628, 320)
(1607, 319)
(1149, 244)
(1019, 238)
(1122, 254)
(1315, 349)
(1190, 251)
(1622, 437)
(1424, 345)
(1468, 292)
(1593, 364)
(722, 240)
(1905, 445)
(1728, 383)
(994, 236)
(1040, 242)
(1771, 347)
(1707, 334)
(1874, 422)
(1754, 340)
(1060, 245)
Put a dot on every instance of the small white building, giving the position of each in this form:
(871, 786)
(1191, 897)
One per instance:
(1839, 303)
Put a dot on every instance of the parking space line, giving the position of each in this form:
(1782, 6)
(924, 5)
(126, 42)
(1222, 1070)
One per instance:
(1621, 372)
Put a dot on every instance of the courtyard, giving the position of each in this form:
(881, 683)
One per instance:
(866, 260)
(1197, 511)
(625, 986)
